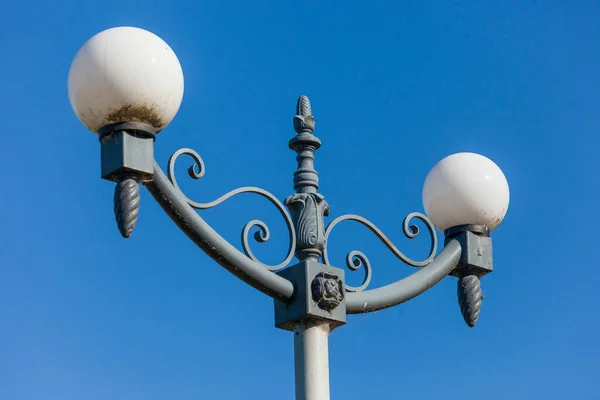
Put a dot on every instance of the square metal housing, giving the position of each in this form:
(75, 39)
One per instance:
(303, 304)
(123, 153)
(476, 256)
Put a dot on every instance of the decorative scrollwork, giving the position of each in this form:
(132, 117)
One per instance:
(197, 170)
(357, 259)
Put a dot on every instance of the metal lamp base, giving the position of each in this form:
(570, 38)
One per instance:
(127, 158)
(475, 262)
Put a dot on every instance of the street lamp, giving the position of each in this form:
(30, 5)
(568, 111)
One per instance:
(126, 85)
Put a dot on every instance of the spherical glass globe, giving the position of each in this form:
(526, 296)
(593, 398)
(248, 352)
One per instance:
(466, 189)
(125, 74)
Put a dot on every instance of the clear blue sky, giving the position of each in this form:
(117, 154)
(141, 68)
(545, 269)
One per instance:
(395, 86)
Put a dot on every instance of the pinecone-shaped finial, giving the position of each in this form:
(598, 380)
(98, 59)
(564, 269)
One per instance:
(303, 107)
(469, 298)
(127, 205)
(304, 121)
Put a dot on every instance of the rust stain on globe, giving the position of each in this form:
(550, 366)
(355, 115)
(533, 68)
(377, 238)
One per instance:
(136, 113)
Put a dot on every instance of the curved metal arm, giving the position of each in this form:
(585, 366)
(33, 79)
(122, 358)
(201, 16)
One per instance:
(188, 220)
(196, 171)
(407, 288)
(357, 259)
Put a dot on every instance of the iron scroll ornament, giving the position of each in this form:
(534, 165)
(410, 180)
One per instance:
(139, 167)
(197, 170)
(357, 259)
(175, 205)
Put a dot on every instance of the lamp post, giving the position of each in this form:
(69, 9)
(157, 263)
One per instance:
(126, 85)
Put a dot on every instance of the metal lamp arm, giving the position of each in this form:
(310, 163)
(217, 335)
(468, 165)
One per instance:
(407, 288)
(128, 159)
(176, 205)
(127, 155)
(357, 259)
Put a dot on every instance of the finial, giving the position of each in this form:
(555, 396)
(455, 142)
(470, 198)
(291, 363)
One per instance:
(303, 107)
(304, 122)
(127, 204)
(469, 298)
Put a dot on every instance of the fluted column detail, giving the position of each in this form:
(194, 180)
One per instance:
(308, 210)
(307, 206)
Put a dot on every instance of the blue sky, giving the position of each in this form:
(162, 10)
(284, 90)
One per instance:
(395, 86)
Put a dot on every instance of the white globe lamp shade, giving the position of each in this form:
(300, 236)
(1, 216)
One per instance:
(125, 74)
(466, 189)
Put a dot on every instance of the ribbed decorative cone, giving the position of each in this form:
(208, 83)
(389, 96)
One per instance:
(303, 106)
(127, 205)
(469, 298)
(304, 122)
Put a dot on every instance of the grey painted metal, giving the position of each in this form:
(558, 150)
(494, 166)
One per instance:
(306, 178)
(475, 261)
(308, 211)
(308, 207)
(318, 304)
(311, 360)
(138, 129)
(469, 298)
(187, 219)
(310, 298)
(127, 157)
(478, 229)
(318, 295)
(327, 290)
(357, 259)
(407, 288)
(477, 258)
(197, 170)
(126, 152)
(127, 204)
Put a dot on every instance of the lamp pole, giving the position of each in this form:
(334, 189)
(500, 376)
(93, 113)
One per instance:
(126, 85)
